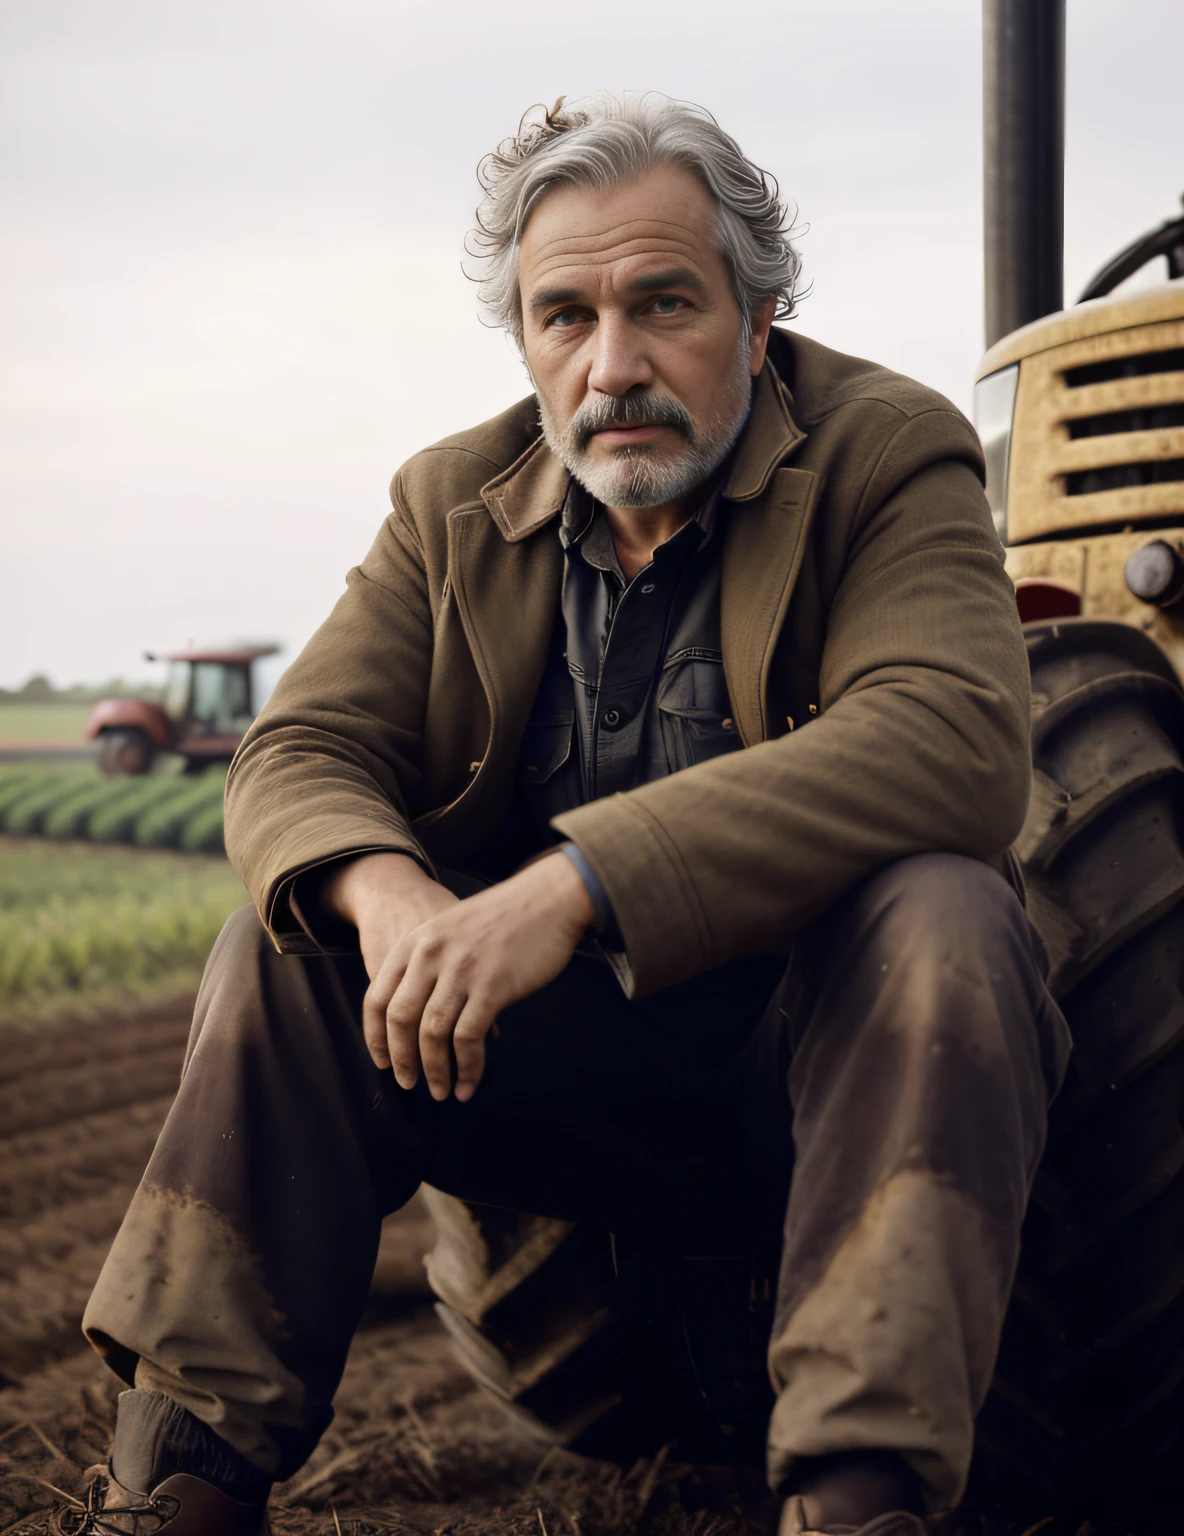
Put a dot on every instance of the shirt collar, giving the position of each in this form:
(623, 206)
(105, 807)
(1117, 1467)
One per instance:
(583, 523)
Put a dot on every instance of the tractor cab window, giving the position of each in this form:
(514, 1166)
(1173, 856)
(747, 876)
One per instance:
(176, 690)
(221, 703)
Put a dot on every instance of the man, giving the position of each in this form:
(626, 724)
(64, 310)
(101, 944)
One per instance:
(709, 698)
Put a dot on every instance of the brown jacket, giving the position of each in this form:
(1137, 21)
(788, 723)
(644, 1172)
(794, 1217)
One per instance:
(871, 646)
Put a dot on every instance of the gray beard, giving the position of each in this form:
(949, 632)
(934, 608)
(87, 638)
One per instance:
(642, 477)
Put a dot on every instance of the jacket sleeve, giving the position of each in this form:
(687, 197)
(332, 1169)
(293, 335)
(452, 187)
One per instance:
(333, 761)
(920, 743)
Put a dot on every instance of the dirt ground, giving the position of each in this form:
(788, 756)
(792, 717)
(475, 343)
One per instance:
(415, 1447)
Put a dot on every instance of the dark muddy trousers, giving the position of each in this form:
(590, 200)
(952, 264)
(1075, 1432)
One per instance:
(899, 1067)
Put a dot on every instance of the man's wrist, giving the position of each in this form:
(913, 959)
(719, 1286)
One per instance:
(345, 885)
(604, 919)
(559, 893)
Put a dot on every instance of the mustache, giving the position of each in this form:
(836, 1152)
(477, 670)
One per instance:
(642, 410)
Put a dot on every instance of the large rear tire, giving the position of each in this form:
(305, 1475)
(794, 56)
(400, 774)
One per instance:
(1088, 1402)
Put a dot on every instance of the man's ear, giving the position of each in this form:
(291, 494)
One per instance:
(758, 336)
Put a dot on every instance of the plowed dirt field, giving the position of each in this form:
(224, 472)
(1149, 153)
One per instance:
(415, 1447)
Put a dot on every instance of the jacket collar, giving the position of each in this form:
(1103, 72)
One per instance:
(533, 489)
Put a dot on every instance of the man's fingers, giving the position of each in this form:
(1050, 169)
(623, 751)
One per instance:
(436, 1036)
(374, 1006)
(403, 1013)
(468, 1044)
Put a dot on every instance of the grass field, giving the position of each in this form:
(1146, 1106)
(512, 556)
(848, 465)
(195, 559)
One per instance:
(43, 723)
(80, 922)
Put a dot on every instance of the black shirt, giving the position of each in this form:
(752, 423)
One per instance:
(634, 688)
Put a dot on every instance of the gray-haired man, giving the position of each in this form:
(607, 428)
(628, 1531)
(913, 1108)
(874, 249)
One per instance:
(710, 700)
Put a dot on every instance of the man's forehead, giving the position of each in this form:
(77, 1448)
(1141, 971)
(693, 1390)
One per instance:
(667, 210)
(631, 252)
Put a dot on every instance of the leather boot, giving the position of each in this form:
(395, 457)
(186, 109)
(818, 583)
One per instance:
(795, 1521)
(181, 1505)
(854, 1493)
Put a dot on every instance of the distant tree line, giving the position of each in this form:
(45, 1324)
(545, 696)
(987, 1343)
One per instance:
(40, 690)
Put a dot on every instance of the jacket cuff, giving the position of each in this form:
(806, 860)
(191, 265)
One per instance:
(663, 928)
(292, 915)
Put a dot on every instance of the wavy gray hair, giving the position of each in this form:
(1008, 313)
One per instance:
(609, 140)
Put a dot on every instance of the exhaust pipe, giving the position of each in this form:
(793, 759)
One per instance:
(1023, 161)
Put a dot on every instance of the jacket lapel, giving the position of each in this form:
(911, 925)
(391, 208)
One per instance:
(764, 544)
(507, 595)
(505, 566)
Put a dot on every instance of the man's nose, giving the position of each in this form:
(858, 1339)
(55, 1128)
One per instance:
(619, 359)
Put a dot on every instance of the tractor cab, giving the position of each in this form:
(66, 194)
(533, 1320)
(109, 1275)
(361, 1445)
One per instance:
(209, 697)
(209, 701)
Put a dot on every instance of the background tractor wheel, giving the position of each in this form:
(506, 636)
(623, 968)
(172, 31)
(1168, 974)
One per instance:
(125, 752)
(1088, 1401)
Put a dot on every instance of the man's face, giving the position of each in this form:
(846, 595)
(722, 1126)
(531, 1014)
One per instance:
(633, 336)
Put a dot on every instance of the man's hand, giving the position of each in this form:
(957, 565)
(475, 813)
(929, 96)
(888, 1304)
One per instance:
(385, 896)
(437, 984)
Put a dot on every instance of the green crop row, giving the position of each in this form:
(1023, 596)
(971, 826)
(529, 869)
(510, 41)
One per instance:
(158, 810)
(78, 921)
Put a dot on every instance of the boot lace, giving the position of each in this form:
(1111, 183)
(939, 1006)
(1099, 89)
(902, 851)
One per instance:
(145, 1519)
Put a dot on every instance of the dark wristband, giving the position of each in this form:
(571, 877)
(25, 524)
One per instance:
(604, 922)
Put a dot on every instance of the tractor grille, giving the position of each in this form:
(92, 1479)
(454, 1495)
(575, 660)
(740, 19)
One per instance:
(1127, 421)
(1136, 367)
(1098, 434)
(1117, 476)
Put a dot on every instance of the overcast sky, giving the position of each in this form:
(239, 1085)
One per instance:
(231, 300)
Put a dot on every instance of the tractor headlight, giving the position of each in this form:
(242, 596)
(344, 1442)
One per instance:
(994, 407)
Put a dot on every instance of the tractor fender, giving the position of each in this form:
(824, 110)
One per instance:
(131, 714)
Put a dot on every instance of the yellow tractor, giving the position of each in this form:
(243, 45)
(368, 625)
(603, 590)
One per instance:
(1082, 419)
(1081, 414)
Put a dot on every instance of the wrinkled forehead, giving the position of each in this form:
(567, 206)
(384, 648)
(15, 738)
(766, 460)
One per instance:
(665, 219)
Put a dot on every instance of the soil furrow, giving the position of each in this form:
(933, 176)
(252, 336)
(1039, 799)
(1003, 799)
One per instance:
(34, 1050)
(51, 1165)
(48, 1242)
(41, 1310)
(76, 1092)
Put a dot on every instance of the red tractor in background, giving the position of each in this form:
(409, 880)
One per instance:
(209, 701)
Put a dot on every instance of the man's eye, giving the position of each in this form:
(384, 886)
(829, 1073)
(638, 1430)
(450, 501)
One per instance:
(667, 304)
(564, 318)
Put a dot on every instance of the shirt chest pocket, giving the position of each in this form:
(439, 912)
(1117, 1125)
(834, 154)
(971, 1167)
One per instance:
(694, 711)
(546, 747)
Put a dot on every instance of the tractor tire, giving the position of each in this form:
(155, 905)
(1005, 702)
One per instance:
(604, 1348)
(1088, 1401)
(125, 753)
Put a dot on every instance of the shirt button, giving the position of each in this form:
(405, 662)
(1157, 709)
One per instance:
(614, 719)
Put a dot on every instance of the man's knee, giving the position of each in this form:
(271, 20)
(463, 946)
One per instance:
(936, 953)
(236, 999)
(242, 934)
(932, 903)
(931, 949)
